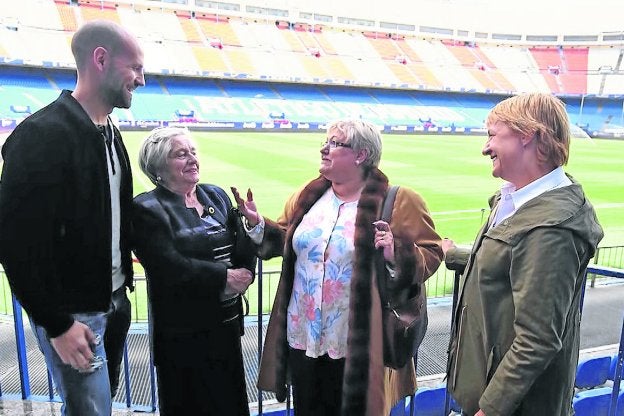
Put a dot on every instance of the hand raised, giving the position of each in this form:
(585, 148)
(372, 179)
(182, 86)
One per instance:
(246, 207)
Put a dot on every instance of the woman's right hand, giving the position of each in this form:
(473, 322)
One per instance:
(247, 207)
(238, 280)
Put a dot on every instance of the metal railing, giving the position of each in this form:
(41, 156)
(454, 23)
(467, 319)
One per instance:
(442, 284)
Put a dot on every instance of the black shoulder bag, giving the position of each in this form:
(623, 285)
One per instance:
(404, 319)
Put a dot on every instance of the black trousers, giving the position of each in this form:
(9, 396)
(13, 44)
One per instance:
(117, 325)
(316, 383)
(201, 373)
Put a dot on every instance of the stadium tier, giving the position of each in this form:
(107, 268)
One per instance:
(186, 42)
(196, 63)
(201, 100)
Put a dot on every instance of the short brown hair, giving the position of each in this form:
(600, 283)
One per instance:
(94, 34)
(542, 116)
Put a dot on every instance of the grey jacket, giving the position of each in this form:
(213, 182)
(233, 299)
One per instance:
(515, 340)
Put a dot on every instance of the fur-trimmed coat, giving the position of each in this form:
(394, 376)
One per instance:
(369, 388)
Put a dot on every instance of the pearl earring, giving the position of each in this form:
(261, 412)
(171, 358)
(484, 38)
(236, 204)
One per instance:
(357, 163)
(158, 178)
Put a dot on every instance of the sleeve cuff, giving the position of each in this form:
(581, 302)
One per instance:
(255, 233)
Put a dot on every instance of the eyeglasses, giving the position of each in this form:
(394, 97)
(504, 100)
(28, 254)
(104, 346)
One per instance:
(334, 144)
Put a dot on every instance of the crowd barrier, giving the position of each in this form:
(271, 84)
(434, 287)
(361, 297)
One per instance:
(592, 394)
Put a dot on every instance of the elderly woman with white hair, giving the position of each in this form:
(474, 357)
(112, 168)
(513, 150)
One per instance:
(198, 262)
(324, 334)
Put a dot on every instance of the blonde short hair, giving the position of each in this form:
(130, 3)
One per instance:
(542, 116)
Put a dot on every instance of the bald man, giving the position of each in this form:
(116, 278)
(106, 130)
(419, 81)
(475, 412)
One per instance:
(65, 200)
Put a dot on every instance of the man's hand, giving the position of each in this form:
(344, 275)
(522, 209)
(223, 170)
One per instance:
(74, 346)
(480, 413)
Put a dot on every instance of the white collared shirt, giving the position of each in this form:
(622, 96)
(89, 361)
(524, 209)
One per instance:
(512, 199)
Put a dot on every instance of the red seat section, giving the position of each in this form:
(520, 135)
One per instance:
(550, 66)
(574, 79)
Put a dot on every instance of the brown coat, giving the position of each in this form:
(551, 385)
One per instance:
(369, 388)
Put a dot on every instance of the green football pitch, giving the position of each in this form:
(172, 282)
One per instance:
(448, 171)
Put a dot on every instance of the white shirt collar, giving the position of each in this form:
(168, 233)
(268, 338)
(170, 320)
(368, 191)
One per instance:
(555, 179)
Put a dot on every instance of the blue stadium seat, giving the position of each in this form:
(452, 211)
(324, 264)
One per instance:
(592, 372)
(620, 404)
(592, 402)
(429, 401)
(614, 361)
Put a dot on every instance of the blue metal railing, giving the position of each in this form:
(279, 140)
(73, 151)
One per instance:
(25, 386)
(617, 379)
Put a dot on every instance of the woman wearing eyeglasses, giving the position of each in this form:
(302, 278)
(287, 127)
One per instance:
(197, 263)
(324, 334)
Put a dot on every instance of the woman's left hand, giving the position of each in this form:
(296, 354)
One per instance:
(384, 239)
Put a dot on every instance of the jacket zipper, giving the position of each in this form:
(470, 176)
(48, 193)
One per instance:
(459, 336)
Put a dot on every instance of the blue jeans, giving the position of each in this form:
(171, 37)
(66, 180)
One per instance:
(83, 394)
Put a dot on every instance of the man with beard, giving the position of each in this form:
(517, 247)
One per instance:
(65, 201)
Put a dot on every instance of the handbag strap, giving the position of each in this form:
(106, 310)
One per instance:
(388, 205)
(386, 215)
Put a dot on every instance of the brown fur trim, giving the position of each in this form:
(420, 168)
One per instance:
(356, 374)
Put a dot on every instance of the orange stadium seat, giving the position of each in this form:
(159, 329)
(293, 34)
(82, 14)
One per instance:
(240, 61)
(313, 65)
(99, 10)
(219, 29)
(190, 29)
(308, 39)
(404, 74)
(337, 68)
(295, 43)
(68, 15)
(324, 43)
(210, 59)
(385, 46)
(479, 66)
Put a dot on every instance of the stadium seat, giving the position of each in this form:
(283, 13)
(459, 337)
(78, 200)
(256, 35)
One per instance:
(592, 372)
(592, 402)
(612, 368)
(429, 401)
(620, 404)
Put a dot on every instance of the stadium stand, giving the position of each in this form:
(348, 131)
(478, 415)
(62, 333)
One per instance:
(98, 10)
(180, 41)
(217, 100)
(67, 14)
(575, 62)
(189, 27)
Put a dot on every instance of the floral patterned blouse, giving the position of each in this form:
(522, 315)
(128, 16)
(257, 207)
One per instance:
(318, 311)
